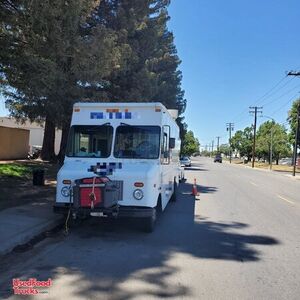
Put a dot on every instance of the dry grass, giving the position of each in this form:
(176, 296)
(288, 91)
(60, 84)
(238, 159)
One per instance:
(278, 168)
(260, 165)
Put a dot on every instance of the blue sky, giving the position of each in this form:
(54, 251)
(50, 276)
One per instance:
(233, 52)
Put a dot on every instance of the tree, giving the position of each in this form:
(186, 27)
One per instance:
(205, 153)
(225, 149)
(57, 52)
(280, 142)
(242, 142)
(292, 119)
(151, 73)
(190, 144)
(49, 58)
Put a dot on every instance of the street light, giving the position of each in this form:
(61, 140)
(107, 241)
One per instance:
(271, 147)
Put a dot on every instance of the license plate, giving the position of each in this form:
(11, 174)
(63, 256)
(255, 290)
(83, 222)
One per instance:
(98, 214)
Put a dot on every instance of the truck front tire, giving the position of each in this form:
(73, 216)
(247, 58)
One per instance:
(149, 222)
(174, 195)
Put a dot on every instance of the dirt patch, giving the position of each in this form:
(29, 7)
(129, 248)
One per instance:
(16, 188)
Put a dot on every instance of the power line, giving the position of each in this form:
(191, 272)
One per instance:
(286, 103)
(282, 95)
(276, 88)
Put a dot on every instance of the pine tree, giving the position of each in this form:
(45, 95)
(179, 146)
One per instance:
(151, 65)
(50, 59)
(57, 52)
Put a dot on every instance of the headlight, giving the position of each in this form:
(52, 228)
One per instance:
(65, 191)
(138, 194)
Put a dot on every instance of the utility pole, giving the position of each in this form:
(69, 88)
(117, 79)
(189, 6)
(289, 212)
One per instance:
(255, 110)
(271, 149)
(230, 127)
(292, 73)
(212, 147)
(218, 143)
(296, 141)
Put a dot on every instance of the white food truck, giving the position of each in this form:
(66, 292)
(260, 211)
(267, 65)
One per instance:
(122, 160)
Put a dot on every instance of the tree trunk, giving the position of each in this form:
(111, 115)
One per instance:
(48, 152)
(63, 142)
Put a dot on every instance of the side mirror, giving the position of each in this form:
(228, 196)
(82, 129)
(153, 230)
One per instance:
(166, 154)
(172, 143)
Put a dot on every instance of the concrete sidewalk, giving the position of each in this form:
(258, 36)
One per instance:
(18, 225)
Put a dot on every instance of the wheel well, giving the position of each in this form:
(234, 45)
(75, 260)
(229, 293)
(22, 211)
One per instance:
(159, 204)
(175, 181)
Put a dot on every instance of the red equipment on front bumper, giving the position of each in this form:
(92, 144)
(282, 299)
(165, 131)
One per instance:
(85, 199)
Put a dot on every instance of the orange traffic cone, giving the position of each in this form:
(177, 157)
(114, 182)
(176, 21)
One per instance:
(194, 189)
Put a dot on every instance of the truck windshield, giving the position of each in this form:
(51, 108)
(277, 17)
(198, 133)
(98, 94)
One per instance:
(90, 141)
(137, 142)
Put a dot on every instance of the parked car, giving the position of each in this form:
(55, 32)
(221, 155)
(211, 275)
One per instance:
(185, 161)
(218, 158)
(286, 161)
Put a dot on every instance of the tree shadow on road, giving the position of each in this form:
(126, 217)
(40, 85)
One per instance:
(202, 189)
(112, 259)
(194, 169)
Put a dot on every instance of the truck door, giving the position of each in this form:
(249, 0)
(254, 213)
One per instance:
(166, 174)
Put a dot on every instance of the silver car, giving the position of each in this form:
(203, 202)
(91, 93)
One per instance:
(185, 161)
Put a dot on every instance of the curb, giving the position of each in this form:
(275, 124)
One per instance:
(29, 234)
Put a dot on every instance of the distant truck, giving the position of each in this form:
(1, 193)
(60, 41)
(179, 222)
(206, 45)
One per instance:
(122, 160)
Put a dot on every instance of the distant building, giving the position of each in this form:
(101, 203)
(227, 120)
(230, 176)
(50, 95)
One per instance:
(36, 132)
(14, 143)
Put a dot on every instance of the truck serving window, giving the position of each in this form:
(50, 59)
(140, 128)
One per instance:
(137, 142)
(90, 141)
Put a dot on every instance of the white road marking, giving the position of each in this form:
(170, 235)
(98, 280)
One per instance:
(289, 201)
(253, 183)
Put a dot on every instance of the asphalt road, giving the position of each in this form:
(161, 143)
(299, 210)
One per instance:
(240, 239)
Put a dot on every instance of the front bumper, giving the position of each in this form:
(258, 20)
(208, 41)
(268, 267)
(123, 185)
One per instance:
(117, 211)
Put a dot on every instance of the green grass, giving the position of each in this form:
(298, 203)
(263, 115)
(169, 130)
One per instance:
(15, 170)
